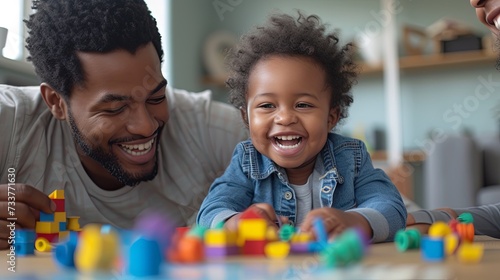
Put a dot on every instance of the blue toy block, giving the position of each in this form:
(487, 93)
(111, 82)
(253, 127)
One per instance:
(62, 226)
(45, 217)
(25, 236)
(25, 249)
(320, 231)
(144, 258)
(432, 249)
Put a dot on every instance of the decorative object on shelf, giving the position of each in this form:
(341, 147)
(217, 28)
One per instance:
(450, 36)
(414, 40)
(214, 52)
(3, 38)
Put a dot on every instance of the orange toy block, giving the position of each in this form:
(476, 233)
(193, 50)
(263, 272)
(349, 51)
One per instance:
(57, 194)
(190, 249)
(59, 205)
(47, 227)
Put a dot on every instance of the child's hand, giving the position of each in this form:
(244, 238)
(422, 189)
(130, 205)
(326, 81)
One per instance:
(336, 221)
(263, 209)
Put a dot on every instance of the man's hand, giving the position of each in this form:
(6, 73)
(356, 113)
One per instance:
(336, 221)
(424, 228)
(20, 207)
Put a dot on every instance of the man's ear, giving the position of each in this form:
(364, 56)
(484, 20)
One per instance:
(55, 101)
(333, 117)
(244, 116)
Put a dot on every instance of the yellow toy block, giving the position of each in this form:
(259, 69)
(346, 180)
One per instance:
(96, 251)
(47, 227)
(451, 242)
(470, 253)
(439, 230)
(252, 229)
(59, 217)
(272, 234)
(72, 223)
(220, 237)
(57, 194)
(42, 245)
(277, 249)
(301, 237)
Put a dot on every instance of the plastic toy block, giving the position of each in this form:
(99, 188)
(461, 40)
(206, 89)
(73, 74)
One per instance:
(252, 229)
(59, 217)
(465, 232)
(407, 239)
(47, 227)
(299, 248)
(64, 252)
(432, 249)
(62, 226)
(250, 213)
(190, 249)
(277, 249)
(221, 251)
(24, 249)
(51, 237)
(466, 218)
(451, 243)
(220, 237)
(72, 223)
(57, 194)
(42, 245)
(59, 205)
(319, 230)
(46, 217)
(286, 232)
(272, 234)
(347, 249)
(254, 247)
(156, 225)
(439, 230)
(96, 251)
(470, 253)
(144, 258)
(301, 237)
(25, 236)
(63, 235)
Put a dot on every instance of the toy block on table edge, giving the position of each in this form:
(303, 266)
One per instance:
(251, 226)
(57, 194)
(51, 237)
(254, 247)
(220, 237)
(432, 249)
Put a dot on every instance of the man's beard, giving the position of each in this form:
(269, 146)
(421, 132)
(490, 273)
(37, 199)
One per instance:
(108, 160)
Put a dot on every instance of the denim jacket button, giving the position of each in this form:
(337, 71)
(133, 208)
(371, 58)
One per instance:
(288, 195)
(326, 189)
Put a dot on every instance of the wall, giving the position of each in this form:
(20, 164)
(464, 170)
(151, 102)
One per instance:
(429, 98)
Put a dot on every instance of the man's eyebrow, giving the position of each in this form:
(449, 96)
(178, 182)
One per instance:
(113, 97)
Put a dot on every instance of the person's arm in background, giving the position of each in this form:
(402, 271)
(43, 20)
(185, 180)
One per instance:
(486, 218)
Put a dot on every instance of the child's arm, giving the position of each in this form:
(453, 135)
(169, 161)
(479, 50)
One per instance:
(336, 221)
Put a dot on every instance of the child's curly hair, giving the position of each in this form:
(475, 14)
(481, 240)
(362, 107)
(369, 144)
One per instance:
(61, 28)
(285, 35)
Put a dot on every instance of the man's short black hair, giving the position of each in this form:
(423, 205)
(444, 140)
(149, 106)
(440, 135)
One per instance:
(61, 28)
(284, 35)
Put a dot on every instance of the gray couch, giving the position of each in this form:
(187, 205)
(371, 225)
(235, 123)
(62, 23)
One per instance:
(462, 171)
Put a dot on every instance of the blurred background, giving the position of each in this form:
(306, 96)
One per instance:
(428, 75)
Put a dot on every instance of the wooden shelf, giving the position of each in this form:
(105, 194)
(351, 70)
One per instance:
(408, 156)
(410, 62)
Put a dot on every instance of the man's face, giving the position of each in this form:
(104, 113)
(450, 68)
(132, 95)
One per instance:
(488, 12)
(116, 118)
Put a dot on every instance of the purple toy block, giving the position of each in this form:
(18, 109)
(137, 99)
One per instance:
(300, 248)
(220, 252)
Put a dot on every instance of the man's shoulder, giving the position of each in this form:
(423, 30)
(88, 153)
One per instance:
(20, 100)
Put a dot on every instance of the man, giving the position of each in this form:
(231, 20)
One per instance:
(103, 125)
(486, 218)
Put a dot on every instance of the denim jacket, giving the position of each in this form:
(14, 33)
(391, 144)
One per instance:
(349, 182)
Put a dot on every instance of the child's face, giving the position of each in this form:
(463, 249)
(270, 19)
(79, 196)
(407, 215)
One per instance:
(288, 107)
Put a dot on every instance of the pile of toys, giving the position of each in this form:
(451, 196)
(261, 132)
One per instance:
(153, 241)
(443, 239)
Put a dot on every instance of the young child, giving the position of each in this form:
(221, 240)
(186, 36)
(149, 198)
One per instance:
(291, 80)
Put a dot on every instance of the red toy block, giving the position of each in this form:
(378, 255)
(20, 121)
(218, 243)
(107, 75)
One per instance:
(59, 205)
(51, 237)
(254, 247)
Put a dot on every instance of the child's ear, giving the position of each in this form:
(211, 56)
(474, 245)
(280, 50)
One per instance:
(333, 117)
(55, 101)
(244, 115)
